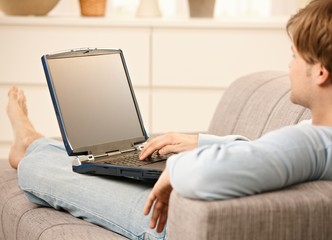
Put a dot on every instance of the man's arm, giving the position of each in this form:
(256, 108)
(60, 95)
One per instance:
(206, 139)
(158, 199)
(176, 142)
(238, 168)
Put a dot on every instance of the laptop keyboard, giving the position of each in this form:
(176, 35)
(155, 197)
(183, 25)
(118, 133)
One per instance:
(132, 160)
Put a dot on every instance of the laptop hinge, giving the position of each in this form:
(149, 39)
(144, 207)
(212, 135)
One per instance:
(83, 158)
(91, 158)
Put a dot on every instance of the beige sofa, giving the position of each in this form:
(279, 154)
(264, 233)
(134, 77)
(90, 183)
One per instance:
(251, 106)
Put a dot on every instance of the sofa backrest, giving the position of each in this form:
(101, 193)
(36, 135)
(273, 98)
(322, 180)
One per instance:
(255, 104)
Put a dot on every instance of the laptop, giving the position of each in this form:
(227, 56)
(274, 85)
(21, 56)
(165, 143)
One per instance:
(98, 114)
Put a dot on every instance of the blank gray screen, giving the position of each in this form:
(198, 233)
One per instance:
(95, 100)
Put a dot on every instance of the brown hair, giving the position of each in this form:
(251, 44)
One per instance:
(311, 32)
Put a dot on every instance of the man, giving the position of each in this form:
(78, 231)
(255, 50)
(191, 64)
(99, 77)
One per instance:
(224, 167)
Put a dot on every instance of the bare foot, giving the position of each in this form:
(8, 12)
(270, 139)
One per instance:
(24, 132)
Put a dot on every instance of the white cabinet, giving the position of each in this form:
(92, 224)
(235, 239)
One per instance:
(213, 57)
(23, 45)
(179, 68)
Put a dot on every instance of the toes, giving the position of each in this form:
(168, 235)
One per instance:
(17, 95)
(17, 99)
(22, 101)
(24, 106)
(20, 97)
(12, 93)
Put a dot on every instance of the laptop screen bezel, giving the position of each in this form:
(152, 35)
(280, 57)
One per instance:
(99, 149)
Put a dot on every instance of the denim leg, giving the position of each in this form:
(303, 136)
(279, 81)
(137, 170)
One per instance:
(46, 175)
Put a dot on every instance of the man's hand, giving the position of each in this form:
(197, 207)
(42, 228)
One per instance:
(158, 202)
(169, 143)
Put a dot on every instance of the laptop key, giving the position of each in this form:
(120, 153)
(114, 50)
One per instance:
(132, 160)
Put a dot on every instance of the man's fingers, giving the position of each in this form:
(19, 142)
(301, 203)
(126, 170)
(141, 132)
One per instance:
(149, 148)
(162, 219)
(163, 144)
(154, 145)
(149, 203)
(157, 210)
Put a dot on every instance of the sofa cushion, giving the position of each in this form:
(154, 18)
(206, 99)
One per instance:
(255, 104)
(22, 220)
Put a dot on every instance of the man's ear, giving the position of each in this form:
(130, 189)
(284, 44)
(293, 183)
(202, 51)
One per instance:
(321, 74)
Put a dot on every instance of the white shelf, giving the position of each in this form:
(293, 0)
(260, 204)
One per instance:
(65, 21)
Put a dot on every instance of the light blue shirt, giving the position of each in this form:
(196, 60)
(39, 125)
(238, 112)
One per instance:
(233, 166)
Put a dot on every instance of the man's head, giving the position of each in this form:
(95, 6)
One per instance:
(311, 67)
(311, 32)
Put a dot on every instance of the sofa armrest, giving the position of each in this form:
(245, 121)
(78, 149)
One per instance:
(300, 212)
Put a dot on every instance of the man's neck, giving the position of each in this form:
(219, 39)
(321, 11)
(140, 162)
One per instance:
(322, 118)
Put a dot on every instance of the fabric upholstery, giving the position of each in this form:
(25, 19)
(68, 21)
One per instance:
(301, 212)
(256, 104)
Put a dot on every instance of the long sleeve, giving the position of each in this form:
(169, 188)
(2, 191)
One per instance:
(234, 166)
(206, 139)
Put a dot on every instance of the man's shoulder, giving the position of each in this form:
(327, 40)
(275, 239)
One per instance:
(300, 133)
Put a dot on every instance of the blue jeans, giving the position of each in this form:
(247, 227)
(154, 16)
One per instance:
(46, 176)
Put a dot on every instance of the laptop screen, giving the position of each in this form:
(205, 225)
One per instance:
(95, 99)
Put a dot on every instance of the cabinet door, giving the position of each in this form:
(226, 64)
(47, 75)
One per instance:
(183, 110)
(205, 57)
(22, 47)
